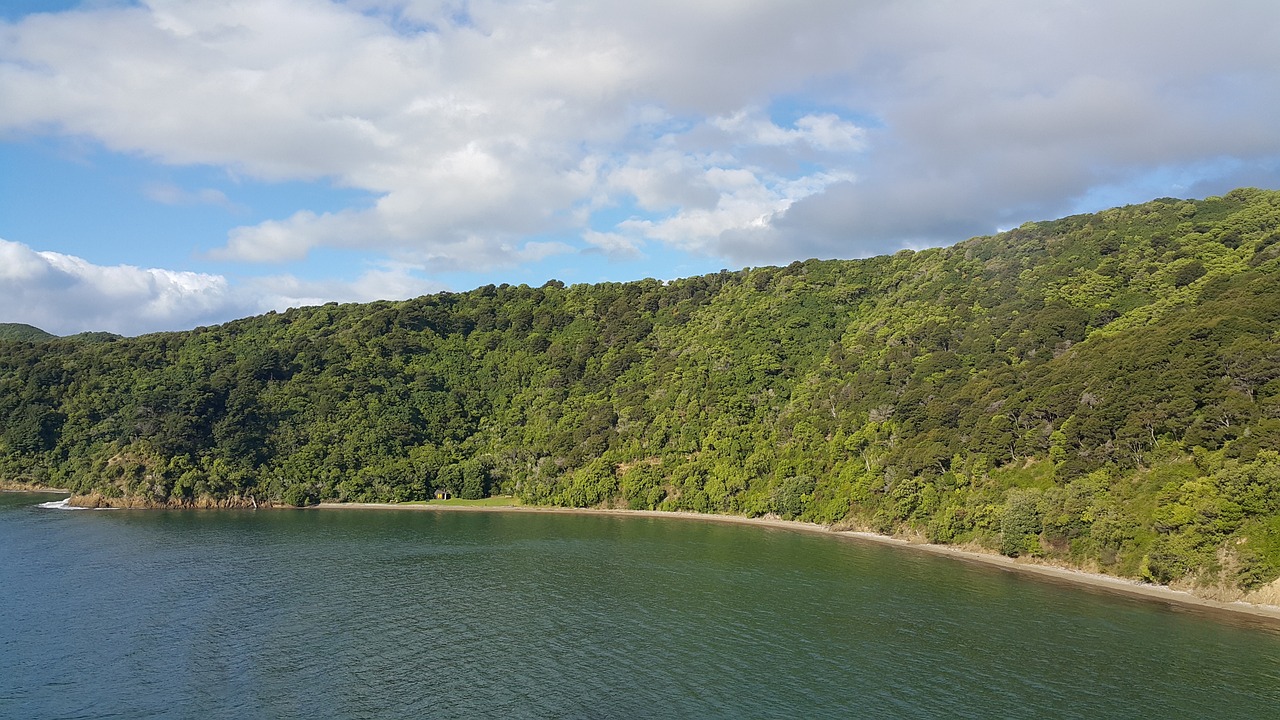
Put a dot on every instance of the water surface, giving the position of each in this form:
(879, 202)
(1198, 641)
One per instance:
(387, 614)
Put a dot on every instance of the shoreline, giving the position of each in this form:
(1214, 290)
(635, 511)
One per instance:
(1109, 584)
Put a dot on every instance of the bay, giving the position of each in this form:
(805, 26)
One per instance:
(388, 614)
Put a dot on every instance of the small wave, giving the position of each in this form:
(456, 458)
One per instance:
(63, 504)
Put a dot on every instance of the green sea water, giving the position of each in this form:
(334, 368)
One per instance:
(404, 614)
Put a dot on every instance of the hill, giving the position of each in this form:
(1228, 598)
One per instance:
(23, 332)
(1101, 390)
(93, 337)
(28, 333)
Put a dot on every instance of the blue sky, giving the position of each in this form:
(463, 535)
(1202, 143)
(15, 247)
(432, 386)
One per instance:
(165, 164)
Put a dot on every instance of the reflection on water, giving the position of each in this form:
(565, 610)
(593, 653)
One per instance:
(371, 614)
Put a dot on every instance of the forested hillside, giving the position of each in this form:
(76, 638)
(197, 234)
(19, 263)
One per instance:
(1103, 390)
(21, 331)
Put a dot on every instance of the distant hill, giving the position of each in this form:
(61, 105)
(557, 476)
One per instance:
(1101, 391)
(93, 337)
(20, 331)
(30, 333)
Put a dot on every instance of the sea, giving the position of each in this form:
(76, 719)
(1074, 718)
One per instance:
(424, 614)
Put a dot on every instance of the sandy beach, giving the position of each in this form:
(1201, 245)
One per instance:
(1269, 614)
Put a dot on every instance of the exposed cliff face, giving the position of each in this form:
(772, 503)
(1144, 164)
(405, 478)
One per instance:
(1268, 594)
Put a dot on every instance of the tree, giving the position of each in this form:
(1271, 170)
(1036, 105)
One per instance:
(1021, 523)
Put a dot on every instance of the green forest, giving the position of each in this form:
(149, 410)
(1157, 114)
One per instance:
(1101, 390)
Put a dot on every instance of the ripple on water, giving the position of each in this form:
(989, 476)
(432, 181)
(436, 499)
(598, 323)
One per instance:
(379, 615)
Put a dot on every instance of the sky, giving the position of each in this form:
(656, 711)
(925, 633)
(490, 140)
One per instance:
(166, 164)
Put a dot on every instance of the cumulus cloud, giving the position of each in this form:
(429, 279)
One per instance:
(391, 281)
(823, 132)
(614, 245)
(505, 121)
(754, 131)
(64, 294)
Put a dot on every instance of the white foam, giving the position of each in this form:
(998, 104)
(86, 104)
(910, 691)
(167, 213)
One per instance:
(63, 504)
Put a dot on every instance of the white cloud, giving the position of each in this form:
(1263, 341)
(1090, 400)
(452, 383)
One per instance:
(394, 281)
(828, 132)
(824, 131)
(744, 201)
(477, 124)
(614, 245)
(170, 194)
(289, 239)
(484, 253)
(498, 127)
(64, 294)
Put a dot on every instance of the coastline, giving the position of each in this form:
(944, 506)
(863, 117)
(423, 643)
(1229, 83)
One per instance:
(1110, 584)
